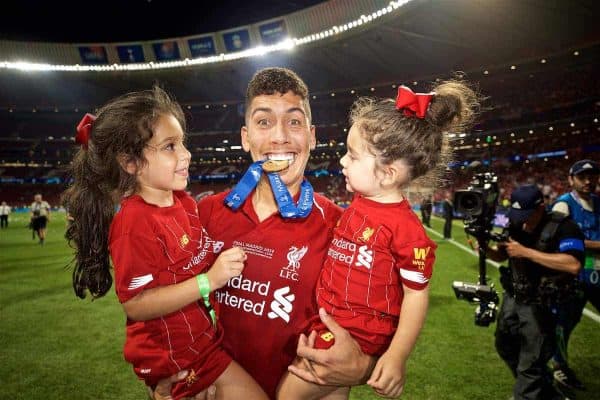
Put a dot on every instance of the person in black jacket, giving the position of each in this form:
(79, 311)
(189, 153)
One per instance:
(545, 252)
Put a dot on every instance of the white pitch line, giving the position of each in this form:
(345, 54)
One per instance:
(588, 313)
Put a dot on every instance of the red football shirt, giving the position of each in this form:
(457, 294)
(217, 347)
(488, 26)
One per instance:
(375, 250)
(157, 246)
(264, 310)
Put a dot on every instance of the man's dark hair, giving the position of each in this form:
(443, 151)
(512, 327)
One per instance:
(277, 80)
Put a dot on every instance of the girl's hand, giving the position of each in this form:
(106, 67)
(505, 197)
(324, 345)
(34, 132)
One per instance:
(229, 264)
(387, 379)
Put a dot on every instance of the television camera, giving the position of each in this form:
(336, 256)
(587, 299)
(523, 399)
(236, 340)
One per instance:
(478, 205)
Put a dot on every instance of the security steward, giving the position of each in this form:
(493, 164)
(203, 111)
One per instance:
(545, 251)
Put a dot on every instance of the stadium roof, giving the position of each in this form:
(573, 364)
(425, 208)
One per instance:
(423, 40)
(132, 20)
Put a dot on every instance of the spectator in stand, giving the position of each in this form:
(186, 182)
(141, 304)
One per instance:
(4, 213)
(40, 216)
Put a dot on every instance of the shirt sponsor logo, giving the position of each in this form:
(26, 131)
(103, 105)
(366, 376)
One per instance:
(253, 288)
(365, 257)
(420, 256)
(336, 251)
(294, 256)
(281, 306)
(204, 248)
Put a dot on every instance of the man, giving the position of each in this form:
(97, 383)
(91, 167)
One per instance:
(545, 252)
(266, 308)
(4, 212)
(448, 214)
(583, 206)
(426, 208)
(40, 216)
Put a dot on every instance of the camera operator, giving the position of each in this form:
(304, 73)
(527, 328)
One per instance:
(545, 252)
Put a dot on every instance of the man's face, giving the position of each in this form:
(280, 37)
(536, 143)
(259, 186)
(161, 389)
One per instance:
(534, 219)
(277, 127)
(584, 183)
(37, 198)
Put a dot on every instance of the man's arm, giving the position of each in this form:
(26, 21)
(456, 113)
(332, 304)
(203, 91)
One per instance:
(343, 364)
(592, 245)
(558, 261)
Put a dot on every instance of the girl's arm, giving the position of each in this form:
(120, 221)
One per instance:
(163, 300)
(388, 376)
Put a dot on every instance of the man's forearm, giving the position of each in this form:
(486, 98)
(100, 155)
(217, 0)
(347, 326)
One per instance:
(592, 245)
(557, 261)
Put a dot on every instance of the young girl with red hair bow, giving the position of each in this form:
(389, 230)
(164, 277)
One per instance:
(375, 279)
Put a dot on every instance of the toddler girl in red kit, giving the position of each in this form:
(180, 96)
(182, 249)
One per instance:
(164, 263)
(375, 279)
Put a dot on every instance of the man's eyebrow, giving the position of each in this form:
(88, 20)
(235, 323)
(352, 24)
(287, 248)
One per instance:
(269, 110)
(263, 109)
(294, 109)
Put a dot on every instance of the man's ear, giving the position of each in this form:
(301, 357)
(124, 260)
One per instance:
(128, 164)
(244, 136)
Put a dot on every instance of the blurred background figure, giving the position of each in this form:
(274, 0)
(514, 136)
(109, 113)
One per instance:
(447, 212)
(4, 212)
(40, 216)
(426, 208)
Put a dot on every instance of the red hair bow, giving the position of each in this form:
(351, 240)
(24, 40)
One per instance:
(413, 104)
(84, 129)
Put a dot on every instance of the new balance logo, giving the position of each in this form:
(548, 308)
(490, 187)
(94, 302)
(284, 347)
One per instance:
(281, 307)
(140, 281)
(364, 258)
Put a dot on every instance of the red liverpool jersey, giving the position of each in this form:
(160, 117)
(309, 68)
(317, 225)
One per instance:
(376, 249)
(158, 246)
(263, 310)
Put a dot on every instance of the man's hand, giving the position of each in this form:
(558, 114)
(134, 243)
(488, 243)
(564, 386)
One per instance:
(163, 389)
(344, 364)
(516, 249)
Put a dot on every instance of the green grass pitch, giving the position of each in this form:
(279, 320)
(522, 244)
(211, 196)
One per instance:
(55, 346)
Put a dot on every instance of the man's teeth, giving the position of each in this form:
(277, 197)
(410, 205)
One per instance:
(280, 157)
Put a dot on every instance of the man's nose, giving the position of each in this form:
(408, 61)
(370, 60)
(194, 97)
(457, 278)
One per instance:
(280, 133)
